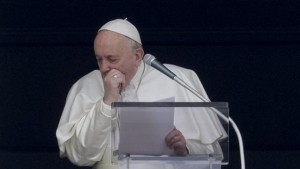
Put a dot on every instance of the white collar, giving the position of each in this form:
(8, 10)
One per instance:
(138, 76)
(135, 81)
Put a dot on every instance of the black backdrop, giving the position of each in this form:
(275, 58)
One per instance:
(245, 52)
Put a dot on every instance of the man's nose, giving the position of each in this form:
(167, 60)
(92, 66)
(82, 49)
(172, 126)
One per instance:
(105, 66)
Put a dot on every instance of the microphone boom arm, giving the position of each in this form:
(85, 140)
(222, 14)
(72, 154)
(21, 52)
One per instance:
(151, 60)
(183, 84)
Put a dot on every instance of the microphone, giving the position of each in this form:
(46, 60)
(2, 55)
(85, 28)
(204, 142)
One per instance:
(152, 61)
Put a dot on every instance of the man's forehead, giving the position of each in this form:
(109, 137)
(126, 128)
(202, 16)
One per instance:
(111, 43)
(109, 37)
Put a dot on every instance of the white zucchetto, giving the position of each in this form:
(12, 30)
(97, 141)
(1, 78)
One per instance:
(123, 27)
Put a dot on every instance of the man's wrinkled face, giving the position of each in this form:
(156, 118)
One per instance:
(115, 51)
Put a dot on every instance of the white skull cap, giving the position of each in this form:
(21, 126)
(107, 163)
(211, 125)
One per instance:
(123, 27)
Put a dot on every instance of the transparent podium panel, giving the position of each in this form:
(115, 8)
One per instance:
(139, 134)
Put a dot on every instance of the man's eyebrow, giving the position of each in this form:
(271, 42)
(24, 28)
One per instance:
(100, 57)
(107, 57)
(112, 56)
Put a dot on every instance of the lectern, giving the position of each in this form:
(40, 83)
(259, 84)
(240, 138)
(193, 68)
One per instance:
(139, 129)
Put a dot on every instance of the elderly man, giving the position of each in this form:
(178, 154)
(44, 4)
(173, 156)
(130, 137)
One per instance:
(84, 131)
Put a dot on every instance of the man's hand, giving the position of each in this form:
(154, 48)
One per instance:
(176, 141)
(114, 82)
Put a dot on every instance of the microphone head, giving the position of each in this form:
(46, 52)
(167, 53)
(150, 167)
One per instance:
(148, 59)
(151, 61)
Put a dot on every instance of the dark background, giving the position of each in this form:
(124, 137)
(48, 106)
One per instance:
(246, 52)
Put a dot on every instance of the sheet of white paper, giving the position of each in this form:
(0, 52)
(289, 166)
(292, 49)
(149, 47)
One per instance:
(143, 129)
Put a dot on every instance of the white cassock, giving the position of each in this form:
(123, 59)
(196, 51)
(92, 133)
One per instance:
(84, 130)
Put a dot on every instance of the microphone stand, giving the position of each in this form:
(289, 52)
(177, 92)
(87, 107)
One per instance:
(228, 120)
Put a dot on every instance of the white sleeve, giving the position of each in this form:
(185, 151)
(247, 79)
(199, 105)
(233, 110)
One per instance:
(196, 147)
(83, 137)
(89, 142)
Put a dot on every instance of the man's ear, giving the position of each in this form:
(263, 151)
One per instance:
(139, 53)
